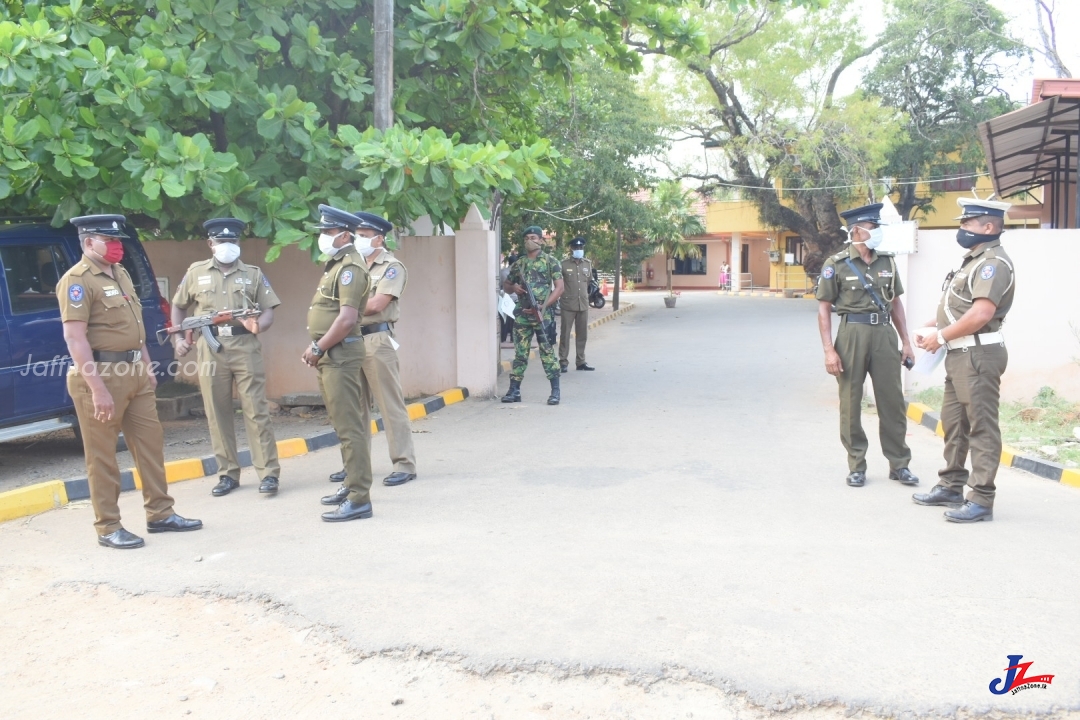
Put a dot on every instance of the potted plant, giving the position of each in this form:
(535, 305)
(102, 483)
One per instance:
(674, 220)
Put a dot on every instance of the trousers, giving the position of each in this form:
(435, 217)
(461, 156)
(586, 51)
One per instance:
(339, 381)
(578, 320)
(381, 380)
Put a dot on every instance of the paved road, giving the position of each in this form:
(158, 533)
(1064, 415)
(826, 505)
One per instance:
(683, 509)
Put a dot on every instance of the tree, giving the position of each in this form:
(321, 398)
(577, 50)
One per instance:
(1048, 47)
(174, 110)
(764, 92)
(941, 67)
(674, 220)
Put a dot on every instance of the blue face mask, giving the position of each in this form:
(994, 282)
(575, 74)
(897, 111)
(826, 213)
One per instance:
(578, 253)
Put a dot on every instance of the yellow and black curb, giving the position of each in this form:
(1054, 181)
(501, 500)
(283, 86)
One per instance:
(925, 416)
(37, 498)
(505, 365)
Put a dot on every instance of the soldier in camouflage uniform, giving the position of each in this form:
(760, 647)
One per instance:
(543, 274)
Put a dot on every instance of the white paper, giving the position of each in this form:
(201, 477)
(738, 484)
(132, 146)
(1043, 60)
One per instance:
(506, 306)
(927, 362)
(394, 343)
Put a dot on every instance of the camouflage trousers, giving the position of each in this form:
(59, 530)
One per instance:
(523, 335)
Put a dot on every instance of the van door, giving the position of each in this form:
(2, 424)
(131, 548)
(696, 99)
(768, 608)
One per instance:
(38, 353)
(7, 371)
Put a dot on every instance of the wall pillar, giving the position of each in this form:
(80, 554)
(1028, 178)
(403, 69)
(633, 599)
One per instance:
(476, 268)
(736, 261)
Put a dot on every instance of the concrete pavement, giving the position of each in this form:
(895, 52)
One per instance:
(683, 511)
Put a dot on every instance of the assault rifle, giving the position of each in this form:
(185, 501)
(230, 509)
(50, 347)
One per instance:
(528, 303)
(205, 322)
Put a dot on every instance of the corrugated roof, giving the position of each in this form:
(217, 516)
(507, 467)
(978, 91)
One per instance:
(1026, 146)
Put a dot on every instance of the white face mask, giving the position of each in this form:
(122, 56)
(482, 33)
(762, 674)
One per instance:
(326, 244)
(363, 244)
(877, 236)
(226, 253)
(578, 253)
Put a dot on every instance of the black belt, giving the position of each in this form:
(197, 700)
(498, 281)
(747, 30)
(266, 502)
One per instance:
(370, 329)
(869, 319)
(234, 330)
(107, 356)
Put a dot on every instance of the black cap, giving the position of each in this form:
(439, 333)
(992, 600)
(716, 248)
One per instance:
(107, 225)
(334, 218)
(577, 243)
(224, 228)
(375, 222)
(533, 230)
(866, 213)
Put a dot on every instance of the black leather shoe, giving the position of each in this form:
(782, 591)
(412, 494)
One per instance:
(120, 540)
(225, 486)
(564, 368)
(269, 485)
(173, 523)
(969, 513)
(585, 366)
(348, 510)
(339, 476)
(337, 498)
(856, 479)
(940, 496)
(903, 476)
(398, 478)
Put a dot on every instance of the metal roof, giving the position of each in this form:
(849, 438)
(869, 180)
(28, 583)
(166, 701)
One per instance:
(1027, 147)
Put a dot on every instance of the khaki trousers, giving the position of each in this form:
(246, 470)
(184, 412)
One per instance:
(239, 361)
(579, 321)
(339, 381)
(872, 349)
(136, 414)
(969, 416)
(381, 380)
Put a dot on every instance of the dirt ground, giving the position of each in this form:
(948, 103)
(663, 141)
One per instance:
(59, 455)
(86, 651)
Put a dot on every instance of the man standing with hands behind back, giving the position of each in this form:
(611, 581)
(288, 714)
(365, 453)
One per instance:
(973, 306)
(574, 305)
(865, 289)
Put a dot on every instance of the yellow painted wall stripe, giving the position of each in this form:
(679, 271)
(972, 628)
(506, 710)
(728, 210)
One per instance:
(1070, 477)
(187, 469)
(32, 499)
(452, 396)
(291, 447)
(416, 411)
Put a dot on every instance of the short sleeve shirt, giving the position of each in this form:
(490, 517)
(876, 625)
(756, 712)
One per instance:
(987, 273)
(839, 285)
(208, 288)
(345, 281)
(540, 274)
(576, 275)
(108, 305)
(388, 277)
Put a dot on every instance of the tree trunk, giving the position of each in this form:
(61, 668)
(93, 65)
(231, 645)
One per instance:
(667, 269)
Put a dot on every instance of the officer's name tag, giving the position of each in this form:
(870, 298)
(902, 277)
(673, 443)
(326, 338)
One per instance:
(851, 277)
(205, 279)
(885, 273)
(243, 281)
(110, 291)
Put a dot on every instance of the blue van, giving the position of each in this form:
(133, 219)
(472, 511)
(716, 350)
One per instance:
(33, 354)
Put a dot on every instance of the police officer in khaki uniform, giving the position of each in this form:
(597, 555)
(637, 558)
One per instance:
(381, 378)
(337, 351)
(224, 282)
(865, 290)
(111, 382)
(574, 305)
(975, 301)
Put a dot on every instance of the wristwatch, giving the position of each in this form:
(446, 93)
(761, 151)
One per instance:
(319, 352)
(941, 339)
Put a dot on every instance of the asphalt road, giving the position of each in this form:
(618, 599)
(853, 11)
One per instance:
(683, 510)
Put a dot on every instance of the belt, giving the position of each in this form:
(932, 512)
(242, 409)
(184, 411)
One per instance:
(371, 329)
(106, 356)
(962, 343)
(228, 330)
(869, 318)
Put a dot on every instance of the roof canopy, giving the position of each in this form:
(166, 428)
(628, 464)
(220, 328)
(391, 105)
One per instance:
(1033, 146)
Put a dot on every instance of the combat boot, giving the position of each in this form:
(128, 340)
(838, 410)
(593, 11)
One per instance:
(554, 398)
(514, 393)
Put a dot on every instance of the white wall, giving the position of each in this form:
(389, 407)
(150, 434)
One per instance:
(1042, 347)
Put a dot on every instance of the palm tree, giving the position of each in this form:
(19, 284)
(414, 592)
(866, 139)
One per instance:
(674, 220)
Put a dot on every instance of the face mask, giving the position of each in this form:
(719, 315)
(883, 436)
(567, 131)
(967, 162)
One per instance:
(877, 235)
(326, 244)
(226, 253)
(578, 254)
(114, 251)
(363, 244)
(968, 239)
(532, 245)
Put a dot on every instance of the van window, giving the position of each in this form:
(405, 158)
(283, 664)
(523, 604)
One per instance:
(32, 272)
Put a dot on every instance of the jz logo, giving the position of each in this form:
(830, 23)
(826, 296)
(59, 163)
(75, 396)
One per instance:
(1016, 679)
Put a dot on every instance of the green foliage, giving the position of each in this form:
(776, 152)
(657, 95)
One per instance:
(941, 66)
(172, 111)
(674, 220)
